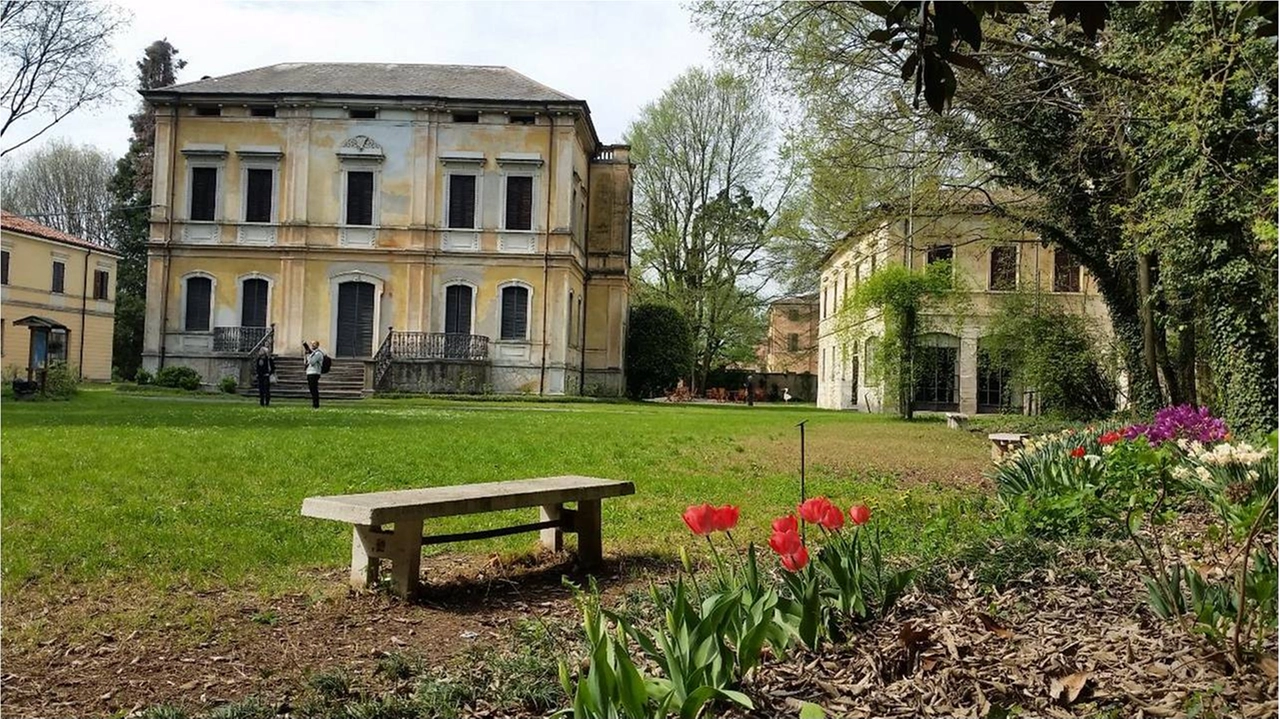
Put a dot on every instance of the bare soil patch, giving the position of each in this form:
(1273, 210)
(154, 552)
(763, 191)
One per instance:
(246, 645)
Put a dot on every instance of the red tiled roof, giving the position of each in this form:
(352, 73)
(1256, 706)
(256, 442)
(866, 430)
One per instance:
(17, 223)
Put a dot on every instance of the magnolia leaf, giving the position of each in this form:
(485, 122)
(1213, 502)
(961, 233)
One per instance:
(1065, 690)
(809, 710)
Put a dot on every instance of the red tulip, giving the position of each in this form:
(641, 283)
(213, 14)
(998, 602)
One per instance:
(860, 514)
(785, 524)
(813, 510)
(832, 518)
(1109, 438)
(1077, 453)
(795, 562)
(724, 518)
(785, 543)
(700, 519)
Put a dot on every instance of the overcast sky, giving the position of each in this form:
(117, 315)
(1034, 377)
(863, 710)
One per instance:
(615, 55)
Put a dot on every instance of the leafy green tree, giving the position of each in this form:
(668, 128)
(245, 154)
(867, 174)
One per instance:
(702, 154)
(659, 350)
(129, 217)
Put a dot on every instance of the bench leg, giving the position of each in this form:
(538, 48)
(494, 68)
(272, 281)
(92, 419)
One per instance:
(364, 566)
(553, 538)
(587, 524)
(406, 557)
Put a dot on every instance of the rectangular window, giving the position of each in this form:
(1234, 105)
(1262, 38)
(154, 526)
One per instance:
(262, 112)
(1004, 268)
(209, 111)
(363, 114)
(793, 314)
(515, 313)
(523, 119)
(519, 203)
(258, 193)
(1066, 272)
(359, 198)
(59, 276)
(466, 117)
(204, 193)
(793, 342)
(199, 296)
(101, 282)
(462, 202)
(941, 253)
(4, 267)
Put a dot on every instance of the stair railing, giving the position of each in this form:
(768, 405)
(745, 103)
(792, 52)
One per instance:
(382, 360)
(267, 340)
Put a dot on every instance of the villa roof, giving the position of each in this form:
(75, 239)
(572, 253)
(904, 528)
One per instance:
(447, 82)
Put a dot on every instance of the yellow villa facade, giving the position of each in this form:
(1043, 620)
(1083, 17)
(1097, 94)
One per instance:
(990, 259)
(450, 228)
(57, 301)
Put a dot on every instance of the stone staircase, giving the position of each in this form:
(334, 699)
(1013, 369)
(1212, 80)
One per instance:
(344, 381)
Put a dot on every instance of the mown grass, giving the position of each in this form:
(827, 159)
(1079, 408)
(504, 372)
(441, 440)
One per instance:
(134, 489)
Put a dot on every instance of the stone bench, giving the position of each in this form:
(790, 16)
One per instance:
(956, 420)
(1003, 442)
(406, 510)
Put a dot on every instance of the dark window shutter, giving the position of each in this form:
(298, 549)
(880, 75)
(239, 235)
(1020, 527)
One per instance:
(1004, 268)
(515, 312)
(199, 295)
(100, 283)
(253, 311)
(204, 192)
(359, 198)
(519, 203)
(257, 206)
(59, 277)
(4, 268)
(457, 310)
(462, 201)
(1066, 272)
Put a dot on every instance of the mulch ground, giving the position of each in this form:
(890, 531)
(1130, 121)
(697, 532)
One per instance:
(1051, 646)
(1053, 643)
(246, 646)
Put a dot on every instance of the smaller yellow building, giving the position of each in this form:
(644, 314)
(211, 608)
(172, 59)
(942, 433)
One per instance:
(57, 300)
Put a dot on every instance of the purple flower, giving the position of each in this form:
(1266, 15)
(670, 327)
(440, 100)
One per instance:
(1182, 422)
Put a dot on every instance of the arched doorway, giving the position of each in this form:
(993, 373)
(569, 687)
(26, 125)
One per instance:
(355, 319)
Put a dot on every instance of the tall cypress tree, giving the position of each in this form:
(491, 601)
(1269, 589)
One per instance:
(130, 212)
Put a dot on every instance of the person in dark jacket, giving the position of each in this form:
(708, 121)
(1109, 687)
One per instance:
(265, 369)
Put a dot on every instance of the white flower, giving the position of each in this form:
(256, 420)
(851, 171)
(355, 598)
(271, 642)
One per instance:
(1203, 474)
(1093, 459)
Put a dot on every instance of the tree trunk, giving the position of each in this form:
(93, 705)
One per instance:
(906, 373)
(1144, 393)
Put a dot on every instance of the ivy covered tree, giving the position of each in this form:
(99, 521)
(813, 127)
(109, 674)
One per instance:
(902, 298)
(130, 213)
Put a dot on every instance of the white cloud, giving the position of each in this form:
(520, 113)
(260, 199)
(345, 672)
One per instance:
(615, 55)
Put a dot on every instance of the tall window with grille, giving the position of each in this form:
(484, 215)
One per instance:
(937, 378)
(519, 210)
(515, 313)
(1004, 268)
(793, 342)
(994, 393)
(204, 194)
(1066, 272)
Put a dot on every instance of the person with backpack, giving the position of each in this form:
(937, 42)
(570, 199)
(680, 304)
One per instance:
(316, 362)
(264, 367)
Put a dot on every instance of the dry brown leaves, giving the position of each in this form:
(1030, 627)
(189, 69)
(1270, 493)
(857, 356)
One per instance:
(1051, 648)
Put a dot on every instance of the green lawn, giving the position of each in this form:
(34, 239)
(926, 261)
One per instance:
(129, 489)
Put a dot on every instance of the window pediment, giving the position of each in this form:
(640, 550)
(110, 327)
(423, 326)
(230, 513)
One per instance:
(361, 147)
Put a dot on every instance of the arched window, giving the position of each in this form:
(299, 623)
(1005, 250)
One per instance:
(199, 304)
(515, 313)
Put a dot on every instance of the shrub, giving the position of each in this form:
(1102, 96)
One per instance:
(60, 382)
(177, 376)
(144, 377)
(228, 384)
(659, 350)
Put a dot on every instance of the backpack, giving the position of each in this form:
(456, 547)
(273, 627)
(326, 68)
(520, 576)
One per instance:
(326, 364)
